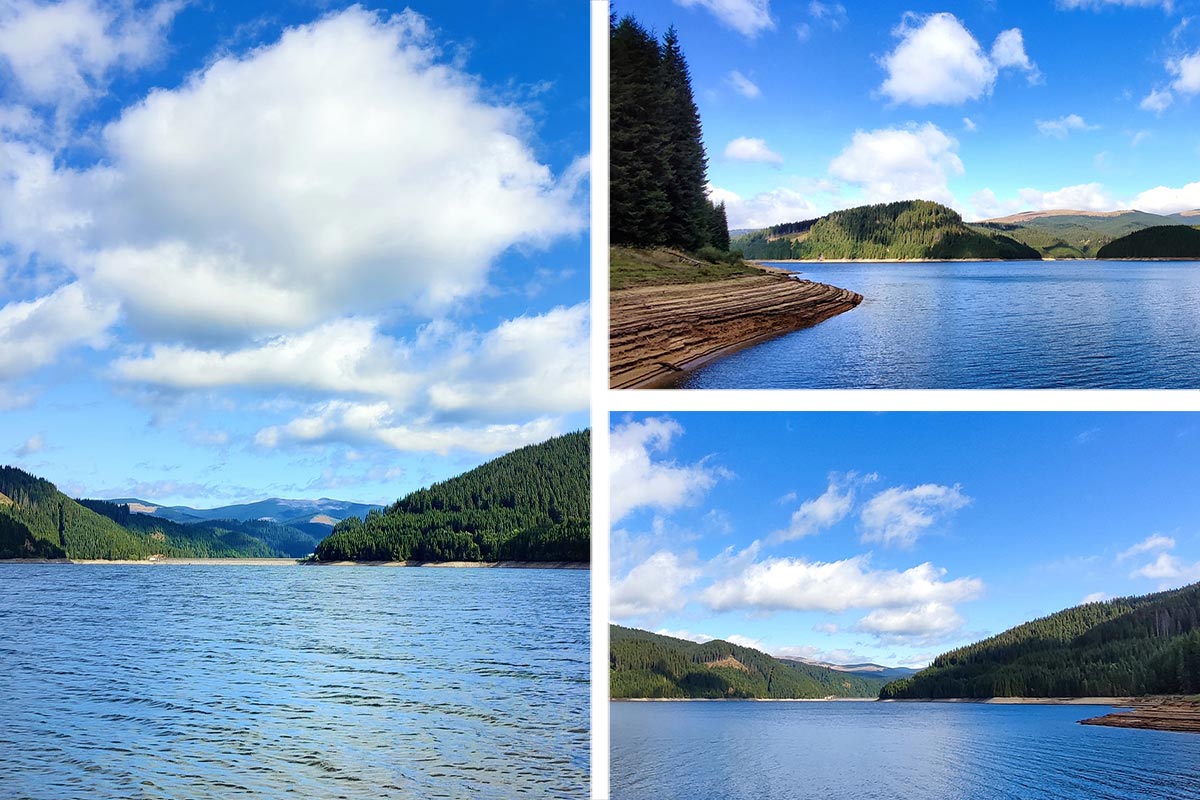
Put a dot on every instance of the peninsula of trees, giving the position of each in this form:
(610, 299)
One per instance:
(910, 229)
(648, 665)
(533, 504)
(1160, 241)
(1130, 646)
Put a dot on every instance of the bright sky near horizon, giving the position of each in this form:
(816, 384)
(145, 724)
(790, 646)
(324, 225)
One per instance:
(893, 537)
(289, 249)
(990, 107)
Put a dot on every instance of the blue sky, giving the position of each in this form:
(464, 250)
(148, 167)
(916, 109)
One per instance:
(893, 537)
(297, 249)
(992, 107)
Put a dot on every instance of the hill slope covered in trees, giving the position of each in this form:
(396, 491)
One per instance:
(1073, 234)
(533, 504)
(39, 521)
(649, 665)
(907, 229)
(1161, 241)
(1129, 646)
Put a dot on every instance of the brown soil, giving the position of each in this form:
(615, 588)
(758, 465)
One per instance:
(728, 661)
(659, 331)
(1180, 714)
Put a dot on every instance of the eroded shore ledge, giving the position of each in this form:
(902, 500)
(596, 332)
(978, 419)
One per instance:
(657, 332)
(1179, 714)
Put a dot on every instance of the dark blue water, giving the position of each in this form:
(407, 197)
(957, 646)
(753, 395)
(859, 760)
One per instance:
(891, 751)
(242, 681)
(1082, 324)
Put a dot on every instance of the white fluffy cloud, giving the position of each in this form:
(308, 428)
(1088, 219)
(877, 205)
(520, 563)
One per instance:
(1187, 73)
(63, 53)
(654, 587)
(796, 584)
(747, 149)
(35, 332)
(927, 623)
(1168, 200)
(1169, 569)
(639, 479)
(1083, 197)
(899, 516)
(818, 513)
(765, 208)
(1059, 128)
(939, 62)
(743, 85)
(900, 163)
(293, 185)
(1148, 545)
(1158, 101)
(747, 17)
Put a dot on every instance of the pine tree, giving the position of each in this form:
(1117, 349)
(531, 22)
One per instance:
(689, 219)
(720, 227)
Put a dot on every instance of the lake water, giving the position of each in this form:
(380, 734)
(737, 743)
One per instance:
(1083, 324)
(242, 681)
(892, 751)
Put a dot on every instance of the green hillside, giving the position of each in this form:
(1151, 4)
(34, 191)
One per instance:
(532, 504)
(1073, 235)
(649, 665)
(907, 229)
(1125, 647)
(1163, 241)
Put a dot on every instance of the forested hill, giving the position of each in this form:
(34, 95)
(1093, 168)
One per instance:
(1161, 241)
(1130, 646)
(533, 504)
(38, 521)
(907, 229)
(649, 665)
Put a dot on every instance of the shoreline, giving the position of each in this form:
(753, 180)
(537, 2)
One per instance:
(657, 333)
(765, 262)
(290, 562)
(1118, 702)
(1173, 714)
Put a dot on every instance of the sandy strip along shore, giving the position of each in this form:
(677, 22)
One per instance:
(1180, 714)
(656, 332)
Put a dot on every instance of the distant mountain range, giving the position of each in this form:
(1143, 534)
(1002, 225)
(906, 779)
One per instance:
(1069, 233)
(650, 665)
(316, 517)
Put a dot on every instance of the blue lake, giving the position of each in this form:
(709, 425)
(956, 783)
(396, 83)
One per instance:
(891, 751)
(997, 325)
(245, 681)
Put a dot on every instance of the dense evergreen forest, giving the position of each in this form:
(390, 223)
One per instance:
(1125, 647)
(658, 168)
(532, 504)
(907, 229)
(38, 521)
(649, 665)
(1161, 241)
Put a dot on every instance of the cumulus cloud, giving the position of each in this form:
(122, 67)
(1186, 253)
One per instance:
(1059, 128)
(35, 332)
(1168, 200)
(62, 54)
(652, 588)
(639, 478)
(765, 208)
(900, 163)
(747, 17)
(747, 149)
(797, 584)
(923, 624)
(1095, 597)
(1187, 73)
(1148, 545)
(899, 516)
(1158, 101)
(825, 511)
(939, 62)
(743, 85)
(1084, 197)
(262, 196)
(1168, 570)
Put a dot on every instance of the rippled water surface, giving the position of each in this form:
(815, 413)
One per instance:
(892, 751)
(1085, 324)
(243, 681)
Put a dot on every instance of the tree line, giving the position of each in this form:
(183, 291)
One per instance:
(658, 169)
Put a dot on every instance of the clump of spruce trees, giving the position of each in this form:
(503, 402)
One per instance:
(658, 168)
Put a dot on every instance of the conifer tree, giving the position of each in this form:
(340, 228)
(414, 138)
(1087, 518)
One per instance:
(689, 219)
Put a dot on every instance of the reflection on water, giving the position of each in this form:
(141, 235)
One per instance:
(1085, 324)
(898, 751)
(240, 681)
